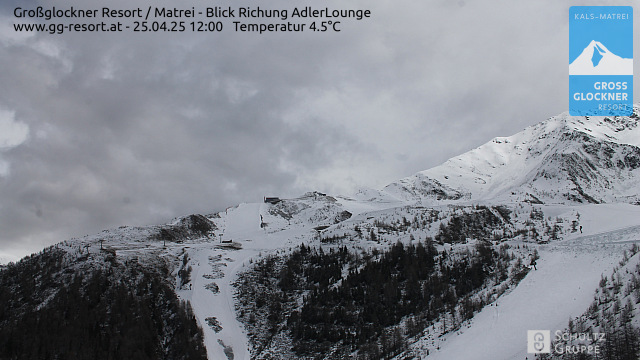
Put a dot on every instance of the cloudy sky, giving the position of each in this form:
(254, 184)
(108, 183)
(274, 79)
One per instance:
(99, 130)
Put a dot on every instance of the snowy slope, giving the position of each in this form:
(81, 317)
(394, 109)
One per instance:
(286, 224)
(562, 287)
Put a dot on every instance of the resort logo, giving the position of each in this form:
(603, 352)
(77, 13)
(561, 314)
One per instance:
(601, 60)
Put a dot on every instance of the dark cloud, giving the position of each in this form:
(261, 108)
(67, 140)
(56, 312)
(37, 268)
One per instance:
(139, 128)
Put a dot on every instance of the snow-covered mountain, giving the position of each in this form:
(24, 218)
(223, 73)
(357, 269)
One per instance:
(284, 279)
(596, 59)
(564, 159)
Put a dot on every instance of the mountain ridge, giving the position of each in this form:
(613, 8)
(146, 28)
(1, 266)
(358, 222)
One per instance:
(518, 164)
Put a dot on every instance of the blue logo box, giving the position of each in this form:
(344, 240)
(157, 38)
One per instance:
(601, 60)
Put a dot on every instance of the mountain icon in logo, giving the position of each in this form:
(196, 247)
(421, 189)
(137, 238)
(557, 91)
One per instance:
(596, 59)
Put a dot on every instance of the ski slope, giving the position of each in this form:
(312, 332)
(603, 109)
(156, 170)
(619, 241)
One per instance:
(213, 263)
(562, 287)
